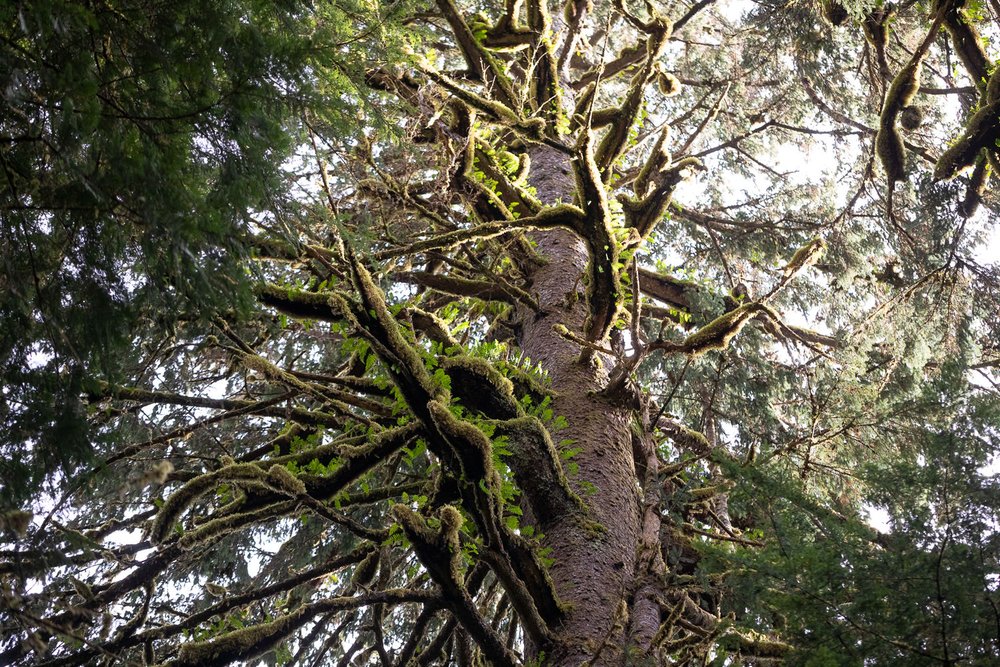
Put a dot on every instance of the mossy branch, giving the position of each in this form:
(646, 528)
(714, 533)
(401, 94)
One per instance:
(440, 551)
(716, 335)
(645, 214)
(888, 142)
(546, 93)
(482, 63)
(616, 138)
(539, 473)
(968, 44)
(604, 293)
(481, 388)
(247, 643)
(982, 131)
(464, 287)
(564, 215)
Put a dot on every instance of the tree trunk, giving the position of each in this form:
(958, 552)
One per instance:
(595, 564)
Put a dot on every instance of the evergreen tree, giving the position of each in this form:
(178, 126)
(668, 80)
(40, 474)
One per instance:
(500, 333)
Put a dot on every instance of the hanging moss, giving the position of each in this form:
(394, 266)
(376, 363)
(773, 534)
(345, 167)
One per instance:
(888, 142)
(911, 118)
(364, 573)
(668, 84)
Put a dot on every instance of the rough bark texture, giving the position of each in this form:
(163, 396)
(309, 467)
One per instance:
(596, 561)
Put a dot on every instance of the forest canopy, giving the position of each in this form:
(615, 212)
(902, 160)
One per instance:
(508, 333)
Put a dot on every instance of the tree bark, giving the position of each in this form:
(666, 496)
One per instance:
(595, 560)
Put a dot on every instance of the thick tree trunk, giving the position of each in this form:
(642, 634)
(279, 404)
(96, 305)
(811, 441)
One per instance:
(595, 564)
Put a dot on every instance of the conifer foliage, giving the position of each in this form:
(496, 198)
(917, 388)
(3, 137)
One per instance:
(509, 333)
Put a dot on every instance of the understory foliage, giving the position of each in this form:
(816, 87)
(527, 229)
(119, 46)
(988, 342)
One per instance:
(509, 333)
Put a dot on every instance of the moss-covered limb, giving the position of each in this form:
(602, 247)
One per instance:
(464, 287)
(978, 181)
(440, 552)
(993, 85)
(645, 214)
(382, 493)
(482, 63)
(338, 401)
(694, 443)
(876, 28)
(982, 131)
(538, 471)
(190, 492)
(717, 334)
(232, 601)
(263, 408)
(564, 215)
(658, 160)
(530, 127)
(514, 197)
(546, 93)
(804, 257)
(249, 642)
(438, 549)
(404, 365)
(616, 138)
(298, 303)
(355, 461)
(757, 645)
(603, 285)
(628, 58)
(470, 451)
(808, 337)
(233, 520)
(430, 325)
(888, 142)
(666, 288)
(481, 388)
(574, 11)
(968, 45)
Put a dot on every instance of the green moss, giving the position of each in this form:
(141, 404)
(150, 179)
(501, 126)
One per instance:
(481, 387)
(240, 644)
(717, 334)
(982, 131)
(282, 479)
(805, 256)
(185, 496)
(470, 445)
(366, 570)
(439, 550)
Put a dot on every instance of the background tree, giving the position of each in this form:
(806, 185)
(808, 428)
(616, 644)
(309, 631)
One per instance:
(594, 338)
